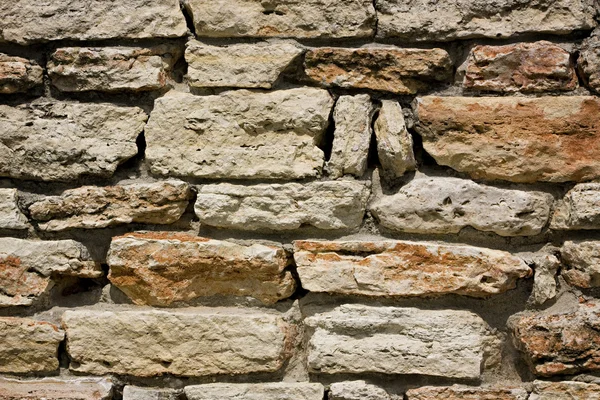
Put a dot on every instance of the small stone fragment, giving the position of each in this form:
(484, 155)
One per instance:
(328, 205)
(588, 62)
(11, 216)
(564, 391)
(142, 393)
(92, 207)
(356, 390)
(394, 143)
(19, 74)
(544, 282)
(550, 138)
(56, 389)
(459, 392)
(352, 136)
(447, 205)
(239, 134)
(256, 391)
(28, 346)
(580, 208)
(581, 263)
(239, 65)
(389, 69)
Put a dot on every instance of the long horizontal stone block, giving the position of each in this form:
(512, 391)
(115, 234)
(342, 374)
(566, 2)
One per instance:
(566, 390)
(256, 391)
(460, 392)
(56, 389)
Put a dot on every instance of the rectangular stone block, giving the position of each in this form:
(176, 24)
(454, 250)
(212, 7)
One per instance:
(190, 342)
(239, 134)
(394, 268)
(358, 339)
(287, 18)
(356, 390)
(56, 389)
(144, 393)
(18, 74)
(579, 209)
(27, 21)
(63, 141)
(551, 139)
(11, 216)
(564, 391)
(256, 391)
(330, 205)
(460, 392)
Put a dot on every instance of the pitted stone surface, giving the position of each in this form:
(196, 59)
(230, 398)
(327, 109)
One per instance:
(56, 389)
(588, 62)
(564, 391)
(459, 392)
(256, 391)
(18, 74)
(581, 263)
(11, 216)
(356, 390)
(579, 209)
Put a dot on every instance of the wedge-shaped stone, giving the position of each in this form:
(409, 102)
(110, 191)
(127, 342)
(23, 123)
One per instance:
(28, 346)
(239, 134)
(564, 391)
(111, 69)
(286, 18)
(256, 391)
(588, 62)
(389, 69)
(356, 390)
(353, 116)
(394, 143)
(459, 392)
(239, 65)
(190, 342)
(160, 268)
(446, 205)
(423, 20)
(92, 207)
(27, 267)
(581, 263)
(552, 139)
(11, 216)
(559, 343)
(580, 208)
(18, 74)
(56, 389)
(392, 268)
(283, 207)
(28, 21)
(143, 393)
(522, 67)
(358, 339)
(60, 141)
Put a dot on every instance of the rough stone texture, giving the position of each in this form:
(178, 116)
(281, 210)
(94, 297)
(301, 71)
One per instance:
(160, 268)
(10, 215)
(544, 282)
(29, 21)
(393, 268)
(394, 143)
(579, 209)
(390, 69)
(92, 207)
(564, 391)
(553, 139)
(352, 136)
(287, 18)
(27, 267)
(258, 391)
(458, 392)
(282, 207)
(446, 205)
(522, 67)
(19, 74)
(111, 69)
(56, 389)
(239, 134)
(356, 390)
(143, 393)
(190, 342)
(559, 343)
(59, 141)
(362, 339)
(239, 65)
(424, 20)
(581, 263)
(28, 346)
(588, 62)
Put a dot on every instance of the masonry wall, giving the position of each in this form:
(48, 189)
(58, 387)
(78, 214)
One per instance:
(318, 199)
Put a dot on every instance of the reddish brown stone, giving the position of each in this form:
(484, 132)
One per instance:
(458, 392)
(564, 391)
(18, 74)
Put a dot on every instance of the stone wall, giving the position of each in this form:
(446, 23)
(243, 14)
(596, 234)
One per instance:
(308, 200)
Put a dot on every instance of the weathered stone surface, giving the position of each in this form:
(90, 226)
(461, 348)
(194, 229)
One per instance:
(356, 390)
(423, 20)
(257, 391)
(10, 215)
(143, 393)
(394, 268)
(27, 345)
(389, 69)
(19, 74)
(56, 389)
(588, 62)
(111, 69)
(91, 207)
(544, 282)
(559, 343)
(522, 67)
(564, 391)
(446, 205)
(160, 268)
(352, 136)
(27, 267)
(28, 21)
(459, 392)
(281, 207)
(190, 342)
(581, 263)
(579, 209)
(287, 18)
(363, 339)
(239, 65)
(553, 139)
(60, 141)
(239, 134)
(394, 143)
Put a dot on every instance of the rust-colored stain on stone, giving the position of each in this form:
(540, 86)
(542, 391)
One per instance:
(18, 284)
